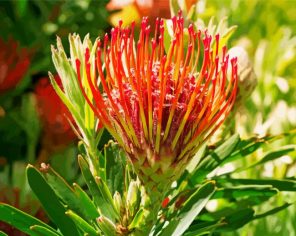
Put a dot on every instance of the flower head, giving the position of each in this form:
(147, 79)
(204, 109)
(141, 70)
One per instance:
(161, 103)
(14, 63)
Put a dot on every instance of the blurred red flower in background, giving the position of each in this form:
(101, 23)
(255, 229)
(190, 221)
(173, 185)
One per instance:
(14, 63)
(55, 117)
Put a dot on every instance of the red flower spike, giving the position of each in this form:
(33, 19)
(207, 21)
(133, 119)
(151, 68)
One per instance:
(159, 106)
(14, 63)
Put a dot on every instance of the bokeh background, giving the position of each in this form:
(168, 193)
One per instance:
(34, 124)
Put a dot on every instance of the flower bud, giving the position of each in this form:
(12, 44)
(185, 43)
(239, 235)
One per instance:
(117, 202)
(132, 197)
(106, 226)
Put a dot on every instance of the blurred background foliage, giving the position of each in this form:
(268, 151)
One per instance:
(33, 126)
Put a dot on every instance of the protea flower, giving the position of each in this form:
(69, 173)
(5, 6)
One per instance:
(14, 63)
(161, 105)
(57, 131)
(160, 102)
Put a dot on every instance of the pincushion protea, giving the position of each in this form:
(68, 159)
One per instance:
(161, 105)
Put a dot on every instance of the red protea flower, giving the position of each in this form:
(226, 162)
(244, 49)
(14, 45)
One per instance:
(161, 105)
(14, 63)
(57, 131)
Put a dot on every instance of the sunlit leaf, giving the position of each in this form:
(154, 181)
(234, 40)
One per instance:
(21, 220)
(55, 210)
(191, 208)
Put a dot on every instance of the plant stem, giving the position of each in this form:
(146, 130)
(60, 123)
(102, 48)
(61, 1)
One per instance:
(153, 197)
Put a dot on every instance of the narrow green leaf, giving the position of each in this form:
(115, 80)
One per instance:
(42, 231)
(82, 224)
(226, 148)
(107, 226)
(245, 191)
(201, 229)
(138, 218)
(53, 207)
(2, 233)
(77, 201)
(215, 158)
(174, 7)
(72, 108)
(237, 219)
(20, 219)
(115, 165)
(273, 211)
(196, 159)
(244, 150)
(107, 196)
(281, 185)
(232, 207)
(86, 202)
(104, 208)
(270, 157)
(191, 208)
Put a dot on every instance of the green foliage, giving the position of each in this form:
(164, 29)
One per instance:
(188, 211)
(191, 208)
(222, 189)
(22, 221)
(55, 210)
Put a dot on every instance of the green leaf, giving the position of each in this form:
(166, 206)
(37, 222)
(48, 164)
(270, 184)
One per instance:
(76, 199)
(245, 148)
(237, 220)
(191, 208)
(202, 228)
(42, 231)
(281, 185)
(103, 206)
(72, 108)
(107, 226)
(86, 202)
(196, 159)
(228, 208)
(2, 233)
(82, 224)
(210, 162)
(107, 195)
(273, 211)
(245, 191)
(50, 202)
(270, 157)
(20, 219)
(137, 220)
(115, 167)
(174, 7)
